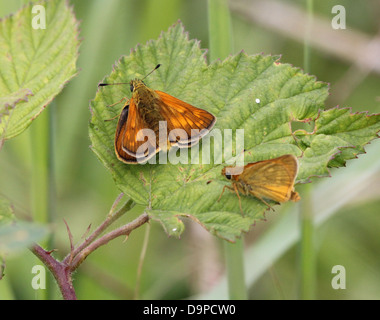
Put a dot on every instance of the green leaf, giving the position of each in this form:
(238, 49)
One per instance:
(256, 93)
(35, 64)
(9, 101)
(339, 135)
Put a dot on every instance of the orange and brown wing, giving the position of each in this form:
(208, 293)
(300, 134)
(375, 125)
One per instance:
(182, 115)
(129, 134)
(120, 131)
(272, 179)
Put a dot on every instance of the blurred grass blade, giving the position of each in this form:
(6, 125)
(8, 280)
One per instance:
(42, 182)
(307, 268)
(151, 21)
(103, 21)
(219, 29)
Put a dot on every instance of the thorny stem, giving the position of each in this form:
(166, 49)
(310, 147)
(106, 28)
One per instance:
(109, 220)
(62, 270)
(122, 231)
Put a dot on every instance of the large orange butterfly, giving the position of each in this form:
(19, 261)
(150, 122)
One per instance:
(268, 179)
(138, 137)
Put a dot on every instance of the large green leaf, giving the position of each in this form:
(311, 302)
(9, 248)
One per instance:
(255, 93)
(35, 64)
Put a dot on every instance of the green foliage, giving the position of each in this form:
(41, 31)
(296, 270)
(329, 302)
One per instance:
(20, 235)
(16, 235)
(255, 93)
(35, 63)
(338, 136)
(6, 211)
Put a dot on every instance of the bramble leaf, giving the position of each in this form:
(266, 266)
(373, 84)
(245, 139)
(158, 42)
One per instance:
(256, 93)
(35, 64)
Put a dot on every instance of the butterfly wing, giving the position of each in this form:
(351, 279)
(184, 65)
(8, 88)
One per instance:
(181, 115)
(120, 131)
(129, 137)
(272, 179)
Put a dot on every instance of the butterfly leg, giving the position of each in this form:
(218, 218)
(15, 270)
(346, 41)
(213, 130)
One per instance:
(261, 199)
(113, 118)
(237, 193)
(114, 104)
(228, 187)
(234, 188)
(118, 115)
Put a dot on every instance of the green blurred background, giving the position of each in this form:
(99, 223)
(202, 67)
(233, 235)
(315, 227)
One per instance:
(193, 265)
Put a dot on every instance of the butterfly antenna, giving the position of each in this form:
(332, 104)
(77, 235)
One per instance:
(156, 67)
(117, 83)
(111, 84)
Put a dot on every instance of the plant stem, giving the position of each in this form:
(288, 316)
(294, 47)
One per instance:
(107, 222)
(221, 45)
(141, 261)
(306, 44)
(42, 177)
(307, 249)
(122, 231)
(60, 271)
(234, 254)
(39, 136)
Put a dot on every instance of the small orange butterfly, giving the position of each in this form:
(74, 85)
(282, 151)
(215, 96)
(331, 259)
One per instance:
(145, 110)
(268, 179)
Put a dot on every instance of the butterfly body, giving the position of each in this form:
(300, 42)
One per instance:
(147, 105)
(146, 101)
(243, 187)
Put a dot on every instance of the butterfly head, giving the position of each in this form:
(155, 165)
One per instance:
(135, 84)
(226, 173)
(138, 83)
(232, 173)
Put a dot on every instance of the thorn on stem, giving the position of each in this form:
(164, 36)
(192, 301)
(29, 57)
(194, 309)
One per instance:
(126, 238)
(116, 202)
(71, 242)
(84, 236)
(51, 251)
